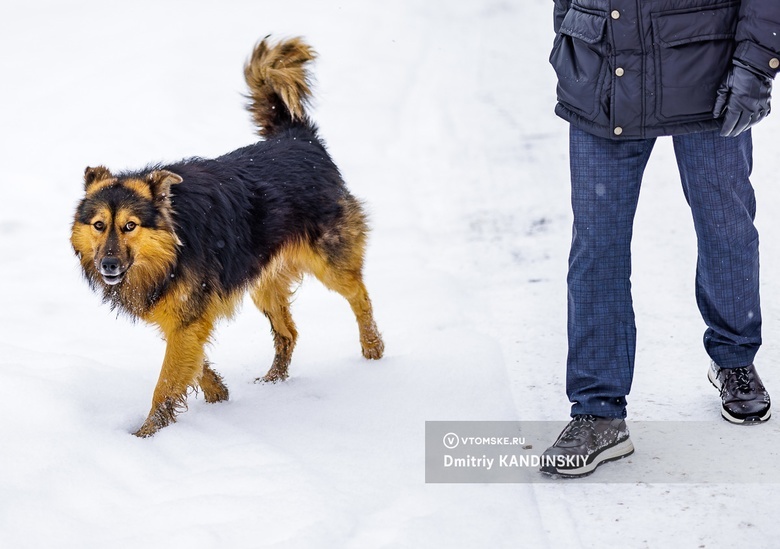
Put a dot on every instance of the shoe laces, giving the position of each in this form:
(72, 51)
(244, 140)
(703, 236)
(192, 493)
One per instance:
(740, 380)
(578, 426)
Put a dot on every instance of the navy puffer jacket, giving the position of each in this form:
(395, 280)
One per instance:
(644, 68)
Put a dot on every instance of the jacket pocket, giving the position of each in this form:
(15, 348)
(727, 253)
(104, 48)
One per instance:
(579, 59)
(693, 50)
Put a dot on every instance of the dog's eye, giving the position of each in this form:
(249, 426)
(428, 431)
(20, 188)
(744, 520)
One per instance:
(99, 226)
(130, 226)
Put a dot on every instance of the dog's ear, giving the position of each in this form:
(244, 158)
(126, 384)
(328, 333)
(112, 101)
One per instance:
(160, 182)
(93, 175)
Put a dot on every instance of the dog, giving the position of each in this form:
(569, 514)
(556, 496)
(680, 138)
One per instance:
(179, 245)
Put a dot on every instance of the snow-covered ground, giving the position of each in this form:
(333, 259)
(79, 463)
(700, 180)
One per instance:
(440, 115)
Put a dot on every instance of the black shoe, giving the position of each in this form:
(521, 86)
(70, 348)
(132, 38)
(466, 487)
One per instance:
(745, 400)
(585, 443)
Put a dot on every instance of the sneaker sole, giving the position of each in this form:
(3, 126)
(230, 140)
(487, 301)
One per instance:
(750, 420)
(613, 453)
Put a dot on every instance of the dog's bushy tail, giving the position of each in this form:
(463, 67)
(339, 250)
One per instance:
(279, 84)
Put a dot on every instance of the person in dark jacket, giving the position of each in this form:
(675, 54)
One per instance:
(628, 72)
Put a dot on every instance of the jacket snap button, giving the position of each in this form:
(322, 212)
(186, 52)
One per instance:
(615, 14)
(619, 71)
(774, 63)
(618, 130)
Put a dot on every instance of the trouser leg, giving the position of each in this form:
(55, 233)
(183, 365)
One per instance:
(715, 173)
(606, 177)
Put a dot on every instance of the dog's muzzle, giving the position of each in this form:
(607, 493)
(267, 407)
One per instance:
(111, 270)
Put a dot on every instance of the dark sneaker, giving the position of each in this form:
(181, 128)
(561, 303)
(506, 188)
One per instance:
(585, 443)
(745, 400)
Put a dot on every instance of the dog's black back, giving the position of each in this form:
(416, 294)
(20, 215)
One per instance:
(234, 212)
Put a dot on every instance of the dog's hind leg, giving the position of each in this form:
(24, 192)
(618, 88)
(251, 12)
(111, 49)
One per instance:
(337, 261)
(349, 283)
(272, 296)
(214, 389)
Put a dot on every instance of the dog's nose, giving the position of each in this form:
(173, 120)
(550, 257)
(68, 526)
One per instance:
(109, 266)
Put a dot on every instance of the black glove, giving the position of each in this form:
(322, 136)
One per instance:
(743, 99)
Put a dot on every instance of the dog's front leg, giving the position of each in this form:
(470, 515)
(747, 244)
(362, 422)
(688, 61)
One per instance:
(181, 369)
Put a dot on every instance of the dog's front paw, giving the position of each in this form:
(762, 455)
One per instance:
(212, 396)
(147, 429)
(214, 388)
(161, 416)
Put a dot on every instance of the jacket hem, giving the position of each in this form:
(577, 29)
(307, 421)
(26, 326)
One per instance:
(676, 128)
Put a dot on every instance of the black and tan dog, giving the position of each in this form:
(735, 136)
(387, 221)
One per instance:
(178, 245)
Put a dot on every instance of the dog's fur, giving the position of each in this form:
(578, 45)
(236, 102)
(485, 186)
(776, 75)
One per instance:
(178, 245)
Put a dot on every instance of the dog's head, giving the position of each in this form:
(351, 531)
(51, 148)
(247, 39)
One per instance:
(123, 229)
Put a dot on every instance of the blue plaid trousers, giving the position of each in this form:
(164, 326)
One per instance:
(605, 179)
